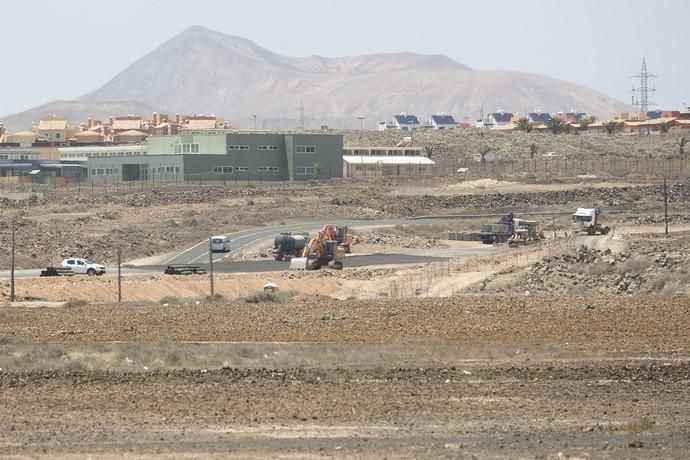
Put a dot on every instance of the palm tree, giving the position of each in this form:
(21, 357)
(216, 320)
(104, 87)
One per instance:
(523, 124)
(556, 125)
(429, 150)
(484, 150)
(681, 146)
(585, 122)
(610, 126)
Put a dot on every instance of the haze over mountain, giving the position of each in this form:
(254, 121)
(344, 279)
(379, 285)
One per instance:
(202, 71)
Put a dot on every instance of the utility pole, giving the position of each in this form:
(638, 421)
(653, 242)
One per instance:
(12, 267)
(301, 115)
(643, 91)
(210, 263)
(665, 210)
(119, 274)
(254, 121)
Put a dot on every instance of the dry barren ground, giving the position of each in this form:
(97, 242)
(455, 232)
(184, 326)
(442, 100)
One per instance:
(489, 376)
(560, 373)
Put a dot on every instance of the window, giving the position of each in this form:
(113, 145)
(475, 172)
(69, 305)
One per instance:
(267, 147)
(268, 168)
(57, 135)
(238, 147)
(93, 172)
(305, 149)
(303, 170)
(242, 168)
(186, 148)
(100, 171)
(222, 169)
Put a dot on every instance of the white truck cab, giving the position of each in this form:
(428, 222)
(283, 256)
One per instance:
(81, 266)
(587, 220)
(220, 243)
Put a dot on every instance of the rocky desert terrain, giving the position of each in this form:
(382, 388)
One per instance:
(575, 347)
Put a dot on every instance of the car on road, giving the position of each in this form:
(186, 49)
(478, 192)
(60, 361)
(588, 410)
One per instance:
(220, 243)
(81, 266)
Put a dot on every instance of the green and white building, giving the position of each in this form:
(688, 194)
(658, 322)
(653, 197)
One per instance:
(225, 155)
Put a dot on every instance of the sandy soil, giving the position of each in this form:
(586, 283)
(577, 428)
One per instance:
(493, 377)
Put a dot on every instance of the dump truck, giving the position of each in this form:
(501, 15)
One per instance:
(322, 251)
(587, 220)
(499, 232)
(287, 245)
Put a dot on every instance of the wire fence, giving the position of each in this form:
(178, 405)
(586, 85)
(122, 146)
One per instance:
(564, 167)
(439, 279)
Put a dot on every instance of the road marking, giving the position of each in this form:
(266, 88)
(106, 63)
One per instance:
(184, 252)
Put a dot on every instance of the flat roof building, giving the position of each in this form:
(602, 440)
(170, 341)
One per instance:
(226, 155)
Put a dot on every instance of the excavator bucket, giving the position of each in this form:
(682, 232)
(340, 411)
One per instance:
(298, 263)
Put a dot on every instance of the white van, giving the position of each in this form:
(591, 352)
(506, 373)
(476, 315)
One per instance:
(220, 243)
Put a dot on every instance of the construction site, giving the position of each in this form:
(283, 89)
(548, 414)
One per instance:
(471, 315)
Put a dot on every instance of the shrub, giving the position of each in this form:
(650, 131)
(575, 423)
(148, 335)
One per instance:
(75, 303)
(637, 425)
(170, 300)
(265, 296)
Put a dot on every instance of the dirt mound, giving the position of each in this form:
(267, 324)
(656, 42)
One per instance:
(608, 272)
(390, 239)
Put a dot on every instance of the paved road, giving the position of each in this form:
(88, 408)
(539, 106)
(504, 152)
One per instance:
(240, 240)
(269, 265)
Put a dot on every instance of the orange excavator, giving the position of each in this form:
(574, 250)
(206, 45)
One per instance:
(322, 251)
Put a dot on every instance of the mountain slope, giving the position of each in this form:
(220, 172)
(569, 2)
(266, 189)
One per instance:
(201, 70)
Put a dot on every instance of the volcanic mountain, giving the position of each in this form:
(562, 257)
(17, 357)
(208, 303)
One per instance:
(203, 71)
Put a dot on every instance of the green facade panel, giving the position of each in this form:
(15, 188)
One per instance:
(227, 156)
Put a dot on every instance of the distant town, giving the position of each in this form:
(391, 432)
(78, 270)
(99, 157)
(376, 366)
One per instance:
(189, 147)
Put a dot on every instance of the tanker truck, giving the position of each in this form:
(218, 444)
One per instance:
(288, 245)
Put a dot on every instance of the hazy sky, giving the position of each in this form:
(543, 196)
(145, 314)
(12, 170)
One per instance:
(63, 49)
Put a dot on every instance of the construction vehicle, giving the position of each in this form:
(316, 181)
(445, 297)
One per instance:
(321, 251)
(587, 220)
(288, 245)
(344, 239)
(499, 232)
(525, 232)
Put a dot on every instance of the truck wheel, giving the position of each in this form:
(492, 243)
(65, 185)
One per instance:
(91, 272)
(605, 230)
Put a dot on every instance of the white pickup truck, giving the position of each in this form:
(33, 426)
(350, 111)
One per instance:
(83, 266)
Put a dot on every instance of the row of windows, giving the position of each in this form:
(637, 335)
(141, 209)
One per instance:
(238, 147)
(15, 157)
(186, 148)
(100, 154)
(303, 170)
(104, 172)
(267, 147)
(229, 169)
(165, 169)
(305, 149)
(383, 152)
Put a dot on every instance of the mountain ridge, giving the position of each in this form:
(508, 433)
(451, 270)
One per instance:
(203, 71)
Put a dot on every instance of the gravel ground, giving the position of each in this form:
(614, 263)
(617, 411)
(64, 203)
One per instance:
(485, 376)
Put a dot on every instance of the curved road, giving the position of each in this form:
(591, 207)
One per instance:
(198, 254)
